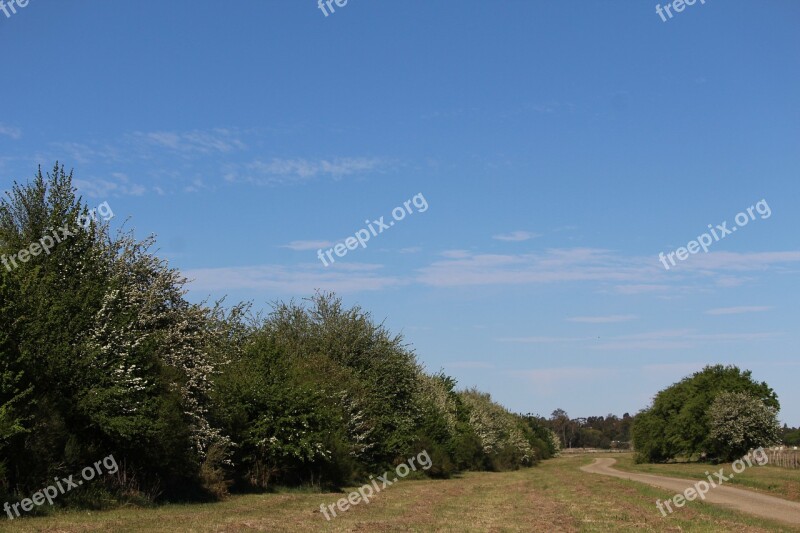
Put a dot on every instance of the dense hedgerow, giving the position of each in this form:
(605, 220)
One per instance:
(100, 353)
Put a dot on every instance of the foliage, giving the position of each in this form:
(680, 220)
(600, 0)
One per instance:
(790, 436)
(101, 354)
(605, 432)
(739, 423)
(678, 422)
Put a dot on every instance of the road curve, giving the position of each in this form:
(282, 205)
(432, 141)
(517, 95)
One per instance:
(745, 501)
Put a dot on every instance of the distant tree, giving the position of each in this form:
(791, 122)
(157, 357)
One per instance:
(790, 436)
(562, 425)
(740, 422)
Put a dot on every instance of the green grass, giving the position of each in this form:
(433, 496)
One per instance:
(555, 496)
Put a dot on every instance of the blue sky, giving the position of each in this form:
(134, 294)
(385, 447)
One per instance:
(560, 147)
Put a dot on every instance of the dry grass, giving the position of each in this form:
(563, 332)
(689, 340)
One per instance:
(554, 496)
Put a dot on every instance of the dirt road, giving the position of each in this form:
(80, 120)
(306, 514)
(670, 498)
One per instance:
(738, 499)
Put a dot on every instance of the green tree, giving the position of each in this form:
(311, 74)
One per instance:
(678, 424)
(15, 390)
(110, 350)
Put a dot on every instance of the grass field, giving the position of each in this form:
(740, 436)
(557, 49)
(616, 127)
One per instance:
(555, 496)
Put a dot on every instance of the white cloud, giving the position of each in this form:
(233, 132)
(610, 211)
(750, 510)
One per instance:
(117, 185)
(10, 131)
(738, 310)
(307, 245)
(516, 236)
(548, 381)
(278, 171)
(542, 339)
(683, 369)
(602, 319)
(558, 265)
(642, 288)
(468, 364)
(293, 280)
(218, 140)
(455, 254)
(83, 154)
(738, 261)
(650, 340)
(677, 339)
(625, 274)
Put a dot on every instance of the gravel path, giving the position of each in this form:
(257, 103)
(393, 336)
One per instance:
(739, 499)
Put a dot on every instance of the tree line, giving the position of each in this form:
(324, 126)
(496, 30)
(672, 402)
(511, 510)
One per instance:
(101, 353)
(605, 432)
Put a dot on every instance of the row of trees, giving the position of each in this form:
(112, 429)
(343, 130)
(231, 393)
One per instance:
(592, 432)
(790, 436)
(100, 353)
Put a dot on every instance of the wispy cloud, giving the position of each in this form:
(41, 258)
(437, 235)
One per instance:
(293, 280)
(516, 236)
(469, 364)
(118, 184)
(677, 339)
(84, 153)
(740, 261)
(542, 339)
(682, 369)
(219, 140)
(609, 319)
(642, 288)
(623, 274)
(278, 171)
(552, 266)
(10, 131)
(550, 380)
(193, 161)
(650, 340)
(738, 310)
(307, 245)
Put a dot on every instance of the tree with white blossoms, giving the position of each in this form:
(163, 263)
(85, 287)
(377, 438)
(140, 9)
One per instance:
(500, 432)
(144, 310)
(555, 441)
(740, 422)
(101, 353)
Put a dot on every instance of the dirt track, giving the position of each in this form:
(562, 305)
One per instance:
(738, 499)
